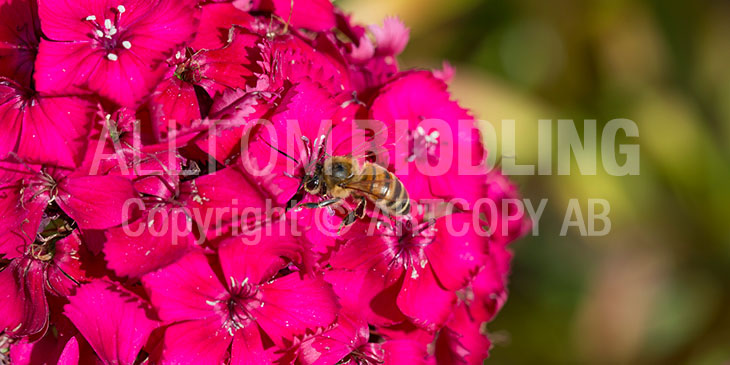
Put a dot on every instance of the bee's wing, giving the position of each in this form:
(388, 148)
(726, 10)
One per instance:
(374, 144)
(368, 188)
(369, 184)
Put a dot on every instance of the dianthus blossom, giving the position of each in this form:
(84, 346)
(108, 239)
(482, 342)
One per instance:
(168, 192)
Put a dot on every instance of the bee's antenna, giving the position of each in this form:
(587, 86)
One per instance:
(280, 151)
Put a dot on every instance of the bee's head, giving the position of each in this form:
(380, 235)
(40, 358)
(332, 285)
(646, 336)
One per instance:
(313, 182)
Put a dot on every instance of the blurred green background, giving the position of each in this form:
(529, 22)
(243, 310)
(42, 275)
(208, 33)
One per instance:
(656, 290)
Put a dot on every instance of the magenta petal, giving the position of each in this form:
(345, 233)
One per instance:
(131, 77)
(11, 299)
(230, 66)
(11, 119)
(247, 347)
(184, 289)
(20, 216)
(391, 39)
(317, 15)
(65, 270)
(203, 340)
(243, 262)
(489, 287)
(419, 284)
(114, 321)
(223, 198)
(398, 352)
(19, 37)
(70, 354)
(456, 258)
(149, 243)
(462, 341)
(333, 345)
(62, 67)
(215, 22)
(23, 298)
(47, 350)
(174, 105)
(53, 130)
(292, 305)
(63, 20)
(79, 197)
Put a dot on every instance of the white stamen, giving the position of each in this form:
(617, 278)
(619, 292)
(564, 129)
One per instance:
(113, 31)
(107, 23)
(91, 18)
(112, 57)
(211, 302)
(435, 134)
(127, 44)
(99, 33)
(178, 55)
(121, 9)
(420, 130)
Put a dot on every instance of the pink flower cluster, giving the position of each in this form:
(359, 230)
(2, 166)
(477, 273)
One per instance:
(145, 219)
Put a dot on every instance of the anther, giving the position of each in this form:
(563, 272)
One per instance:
(121, 9)
(127, 44)
(112, 57)
(108, 23)
(91, 18)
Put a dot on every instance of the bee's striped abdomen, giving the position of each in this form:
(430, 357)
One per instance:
(387, 190)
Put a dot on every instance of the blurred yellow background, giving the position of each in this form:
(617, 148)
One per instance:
(656, 290)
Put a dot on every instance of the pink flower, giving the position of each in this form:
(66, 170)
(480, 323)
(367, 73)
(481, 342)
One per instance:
(443, 160)
(19, 38)
(208, 306)
(347, 343)
(41, 128)
(48, 265)
(508, 221)
(111, 47)
(390, 39)
(175, 101)
(116, 322)
(374, 270)
(462, 340)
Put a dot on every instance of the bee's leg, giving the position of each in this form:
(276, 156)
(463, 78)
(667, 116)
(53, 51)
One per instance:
(349, 219)
(353, 215)
(360, 209)
(321, 204)
(298, 196)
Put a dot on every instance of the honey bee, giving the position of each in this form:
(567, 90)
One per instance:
(336, 178)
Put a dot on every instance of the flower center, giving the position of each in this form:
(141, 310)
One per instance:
(368, 354)
(44, 246)
(238, 307)
(423, 145)
(411, 240)
(107, 35)
(188, 70)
